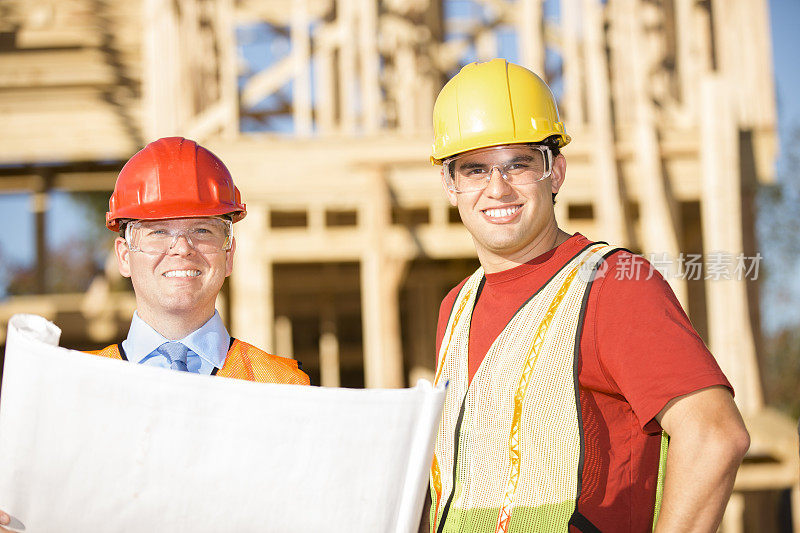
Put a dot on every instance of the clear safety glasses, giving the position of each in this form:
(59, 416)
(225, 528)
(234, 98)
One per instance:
(206, 235)
(519, 165)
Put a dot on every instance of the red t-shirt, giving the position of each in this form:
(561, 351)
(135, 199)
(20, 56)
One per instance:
(638, 350)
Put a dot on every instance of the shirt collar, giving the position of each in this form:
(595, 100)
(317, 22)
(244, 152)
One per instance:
(210, 341)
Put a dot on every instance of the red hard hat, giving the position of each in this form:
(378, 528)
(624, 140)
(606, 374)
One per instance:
(173, 178)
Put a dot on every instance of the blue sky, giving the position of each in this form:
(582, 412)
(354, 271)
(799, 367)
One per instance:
(785, 20)
(65, 220)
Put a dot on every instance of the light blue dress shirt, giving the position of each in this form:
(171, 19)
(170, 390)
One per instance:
(208, 345)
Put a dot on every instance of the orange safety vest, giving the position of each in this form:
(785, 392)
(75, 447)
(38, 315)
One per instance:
(244, 361)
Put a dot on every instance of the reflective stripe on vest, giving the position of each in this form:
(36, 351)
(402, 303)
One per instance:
(243, 361)
(509, 449)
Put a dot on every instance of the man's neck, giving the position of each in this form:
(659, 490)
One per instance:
(499, 262)
(174, 326)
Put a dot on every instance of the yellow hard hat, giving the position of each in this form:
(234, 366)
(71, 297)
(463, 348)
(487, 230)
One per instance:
(493, 103)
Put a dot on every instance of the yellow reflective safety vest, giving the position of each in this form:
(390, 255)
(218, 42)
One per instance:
(509, 450)
(243, 361)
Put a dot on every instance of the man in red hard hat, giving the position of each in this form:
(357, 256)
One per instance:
(174, 205)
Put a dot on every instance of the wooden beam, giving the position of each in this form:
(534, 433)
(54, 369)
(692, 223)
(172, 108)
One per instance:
(251, 287)
(284, 346)
(161, 83)
(530, 26)
(347, 67)
(573, 54)
(225, 30)
(369, 67)
(610, 203)
(329, 348)
(658, 210)
(730, 332)
(324, 85)
(215, 118)
(267, 82)
(58, 68)
(380, 283)
(301, 59)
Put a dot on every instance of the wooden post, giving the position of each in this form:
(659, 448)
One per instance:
(347, 65)
(610, 205)
(656, 203)
(161, 86)
(329, 348)
(730, 332)
(370, 83)
(422, 329)
(530, 29)
(325, 87)
(39, 207)
(756, 23)
(251, 289)
(406, 72)
(380, 283)
(622, 72)
(688, 66)
(486, 45)
(284, 344)
(229, 90)
(301, 59)
(573, 61)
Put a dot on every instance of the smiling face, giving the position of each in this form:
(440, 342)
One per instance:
(180, 284)
(510, 224)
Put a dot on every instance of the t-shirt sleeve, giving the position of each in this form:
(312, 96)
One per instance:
(646, 346)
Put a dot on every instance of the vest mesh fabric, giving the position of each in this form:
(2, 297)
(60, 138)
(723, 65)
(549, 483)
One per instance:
(244, 361)
(519, 441)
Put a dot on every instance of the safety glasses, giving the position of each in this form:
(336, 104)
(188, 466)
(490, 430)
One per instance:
(206, 235)
(522, 164)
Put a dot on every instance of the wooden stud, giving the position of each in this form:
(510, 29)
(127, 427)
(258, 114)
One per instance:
(348, 54)
(383, 360)
(329, 348)
(657, 205)
(284, 345)
(574, 61)
(531, 39)
(301, 59)
(252, 293)
(368, 47)
(610, 201)
(731, 336)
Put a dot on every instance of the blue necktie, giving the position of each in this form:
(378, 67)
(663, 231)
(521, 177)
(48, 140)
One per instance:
(176, 353)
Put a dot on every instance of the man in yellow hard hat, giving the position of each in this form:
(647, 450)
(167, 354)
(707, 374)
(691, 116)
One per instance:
(174, 204)
(578, 399)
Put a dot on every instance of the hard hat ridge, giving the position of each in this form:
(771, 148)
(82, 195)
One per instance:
(490, 104)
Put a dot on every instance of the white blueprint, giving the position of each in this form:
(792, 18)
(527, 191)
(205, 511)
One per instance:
(93, 444)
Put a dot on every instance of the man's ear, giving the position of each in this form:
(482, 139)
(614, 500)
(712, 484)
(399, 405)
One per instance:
(558, 174)
(451, 195)
(123, 256)
(229, 257)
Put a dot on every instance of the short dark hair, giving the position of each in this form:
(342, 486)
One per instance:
(552, 143)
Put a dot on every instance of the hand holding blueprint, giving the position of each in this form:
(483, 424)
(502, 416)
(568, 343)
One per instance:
(94, 444)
